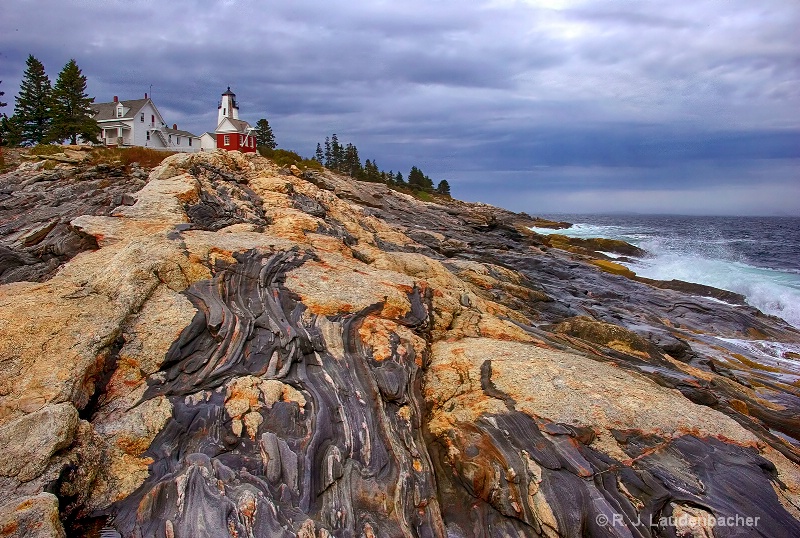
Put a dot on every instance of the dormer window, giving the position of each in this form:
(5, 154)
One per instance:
(119, 111)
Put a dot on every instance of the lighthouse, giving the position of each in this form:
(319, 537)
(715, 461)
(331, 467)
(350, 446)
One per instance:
(228, 107)
(231, 133)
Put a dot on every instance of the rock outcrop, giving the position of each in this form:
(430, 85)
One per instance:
(237, 350)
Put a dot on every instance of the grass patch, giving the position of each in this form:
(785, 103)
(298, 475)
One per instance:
(46, 149)
(146, 157)
(285, 157)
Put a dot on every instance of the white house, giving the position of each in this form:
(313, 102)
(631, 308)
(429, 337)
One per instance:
(138, 123)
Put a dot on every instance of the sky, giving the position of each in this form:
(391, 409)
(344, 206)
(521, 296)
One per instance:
(543, 106)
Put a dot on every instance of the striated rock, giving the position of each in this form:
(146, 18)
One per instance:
(244, 351)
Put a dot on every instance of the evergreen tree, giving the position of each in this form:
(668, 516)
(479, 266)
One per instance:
(337, 154)
(319, 156)
(351, 164)
(2, 120)
(372, 172)
(72, 115)
(10, 132)
(398, 180)
(328, 153)
(443, 188)
(264, 135)
(415, 177)
(32, 110)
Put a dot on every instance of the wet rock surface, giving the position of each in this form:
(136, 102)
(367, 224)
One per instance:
(250, 352)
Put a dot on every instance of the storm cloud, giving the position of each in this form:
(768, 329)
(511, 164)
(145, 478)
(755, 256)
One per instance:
(537, 105)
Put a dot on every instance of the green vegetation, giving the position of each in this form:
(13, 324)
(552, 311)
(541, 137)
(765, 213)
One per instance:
(146, 157)
(264, 135)
(72, 115)
(46, 149)
(2, 131)
(33, 109)
(285, 157)
(343, 158)
(46, 114)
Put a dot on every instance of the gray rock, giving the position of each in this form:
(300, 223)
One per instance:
(29, 442)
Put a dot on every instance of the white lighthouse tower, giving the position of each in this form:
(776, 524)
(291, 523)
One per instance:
(228, 107)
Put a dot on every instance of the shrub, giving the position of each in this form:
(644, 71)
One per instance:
(46, 149)
(285, 157)
(422, 195)
(146, 157)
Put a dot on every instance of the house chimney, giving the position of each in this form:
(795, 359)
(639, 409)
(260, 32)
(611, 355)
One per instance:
(174, 126)
(145, 95)
(116, 99)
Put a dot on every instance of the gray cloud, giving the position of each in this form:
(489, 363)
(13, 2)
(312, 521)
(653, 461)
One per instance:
(606, 96)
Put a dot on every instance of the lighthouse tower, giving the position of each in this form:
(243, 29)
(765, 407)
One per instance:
(232, 133)
(228, 107)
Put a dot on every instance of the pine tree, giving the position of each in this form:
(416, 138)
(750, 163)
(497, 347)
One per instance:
(72, 114)
(398, 180)
(337, 154)
(10, 131)
(3, 121)
(351, 164)
(32, 110)
(328, 153)
(443, 188)
(264, 135)
(319, 156)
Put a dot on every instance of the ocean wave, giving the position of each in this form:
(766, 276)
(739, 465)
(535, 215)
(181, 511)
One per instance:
(694, 251)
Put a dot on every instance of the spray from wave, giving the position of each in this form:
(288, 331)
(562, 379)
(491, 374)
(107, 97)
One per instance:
(704, 255)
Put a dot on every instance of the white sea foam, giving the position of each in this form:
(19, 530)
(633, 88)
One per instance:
(776, 353)
(708, 259)
(771, 291)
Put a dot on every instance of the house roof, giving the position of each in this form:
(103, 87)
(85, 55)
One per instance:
(241, 126)
(108, 111)
(179, 132)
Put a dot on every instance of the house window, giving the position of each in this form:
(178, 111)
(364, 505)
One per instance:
(119, 112)
(241, 140)
(190, 140)
(148, 135)
(170, 139)
(178, 140)
(141, 118)
(227, 140)
(224, 111)
(153, 120)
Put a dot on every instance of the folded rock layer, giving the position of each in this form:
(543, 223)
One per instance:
(241, 351)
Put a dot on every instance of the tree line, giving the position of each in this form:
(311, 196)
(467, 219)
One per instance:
(344, 159)
(44, 113)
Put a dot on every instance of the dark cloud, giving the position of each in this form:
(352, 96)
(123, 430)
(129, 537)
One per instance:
(584, 102)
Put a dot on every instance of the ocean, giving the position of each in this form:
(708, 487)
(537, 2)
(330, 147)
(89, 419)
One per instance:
(758, 257)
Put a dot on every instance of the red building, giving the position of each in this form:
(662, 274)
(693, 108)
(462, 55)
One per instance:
(232, 133)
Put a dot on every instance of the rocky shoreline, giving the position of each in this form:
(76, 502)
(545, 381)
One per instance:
(226, 348)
